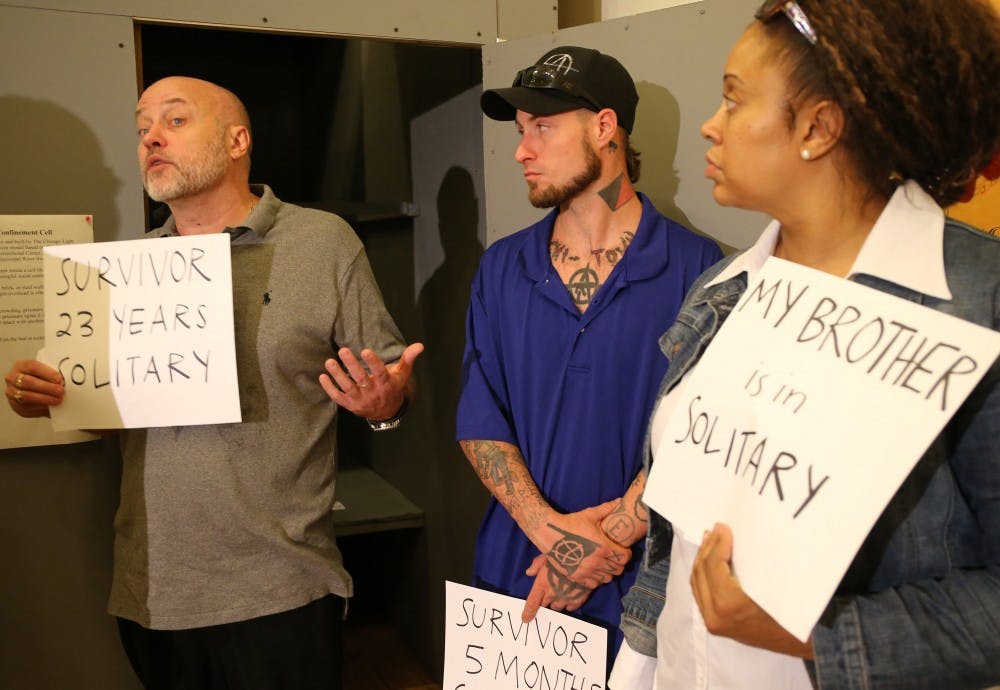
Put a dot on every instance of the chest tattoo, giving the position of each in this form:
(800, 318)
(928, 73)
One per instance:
(560, 253)
(582, 285)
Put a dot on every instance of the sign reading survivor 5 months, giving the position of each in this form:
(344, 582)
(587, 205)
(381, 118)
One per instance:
(142, 332)
(805, 414)
(489, 647)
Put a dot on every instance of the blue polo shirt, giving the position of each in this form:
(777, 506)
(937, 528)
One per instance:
(573, 391)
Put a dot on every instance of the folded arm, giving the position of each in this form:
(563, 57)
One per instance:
(578, 555)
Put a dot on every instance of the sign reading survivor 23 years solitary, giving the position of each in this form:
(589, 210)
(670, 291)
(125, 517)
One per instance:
(807, 411)
(142, 332)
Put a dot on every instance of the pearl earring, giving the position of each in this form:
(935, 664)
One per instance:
(805, 154)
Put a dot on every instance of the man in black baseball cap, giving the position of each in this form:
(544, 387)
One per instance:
(561, 364)
(567, 78)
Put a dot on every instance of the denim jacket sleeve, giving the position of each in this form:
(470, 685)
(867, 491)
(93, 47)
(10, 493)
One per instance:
(941, 631)
(923, 607)
(699, 318)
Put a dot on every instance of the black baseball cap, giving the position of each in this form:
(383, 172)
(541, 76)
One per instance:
(567, 78)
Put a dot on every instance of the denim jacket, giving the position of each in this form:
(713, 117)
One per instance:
(919, 607)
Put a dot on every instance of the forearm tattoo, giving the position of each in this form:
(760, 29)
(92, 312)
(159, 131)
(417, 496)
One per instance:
(623, 525)
(491, 462)
(639, 509)
(504, 473)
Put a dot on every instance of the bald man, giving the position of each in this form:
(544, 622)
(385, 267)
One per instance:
(227, 574)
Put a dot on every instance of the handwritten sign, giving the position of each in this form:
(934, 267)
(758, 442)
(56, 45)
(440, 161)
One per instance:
(142, 332)
(488, 647)
(800, 442)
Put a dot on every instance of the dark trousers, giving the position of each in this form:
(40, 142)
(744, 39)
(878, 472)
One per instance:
(301, 649)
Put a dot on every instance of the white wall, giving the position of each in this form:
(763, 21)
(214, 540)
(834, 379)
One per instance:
(612, 9)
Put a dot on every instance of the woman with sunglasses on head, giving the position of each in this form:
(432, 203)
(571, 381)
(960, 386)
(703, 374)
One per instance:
(852, 123)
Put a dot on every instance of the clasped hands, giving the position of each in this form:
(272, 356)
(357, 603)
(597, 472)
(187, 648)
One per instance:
(578, 557)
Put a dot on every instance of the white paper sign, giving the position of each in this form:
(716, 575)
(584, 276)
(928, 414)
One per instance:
(487, 647)
(142, 332)
(799, 443)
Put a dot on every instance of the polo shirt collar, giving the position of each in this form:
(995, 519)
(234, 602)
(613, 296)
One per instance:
(260, 220)
(905, 246)
(645, 257)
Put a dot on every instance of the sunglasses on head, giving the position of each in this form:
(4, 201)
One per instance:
(547, 77)
(771, 8)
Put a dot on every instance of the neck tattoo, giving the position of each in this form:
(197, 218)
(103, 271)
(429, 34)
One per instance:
(614, 254)
(584, 282)
(561, 254)
(617, 194)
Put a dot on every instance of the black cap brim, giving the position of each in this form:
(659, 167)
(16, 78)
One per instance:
(503, 104)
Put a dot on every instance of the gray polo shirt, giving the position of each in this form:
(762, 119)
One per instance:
(221, 523)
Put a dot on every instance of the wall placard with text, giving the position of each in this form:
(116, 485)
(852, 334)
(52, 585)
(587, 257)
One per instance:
(22, 322)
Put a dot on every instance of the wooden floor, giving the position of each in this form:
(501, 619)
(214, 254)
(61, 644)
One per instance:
(376, 659)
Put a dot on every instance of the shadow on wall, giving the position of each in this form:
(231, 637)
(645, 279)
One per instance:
(442, 305)
(54, 164)
(57, 503)
(655, 135)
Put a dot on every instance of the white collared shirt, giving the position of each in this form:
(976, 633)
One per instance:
(906, 247)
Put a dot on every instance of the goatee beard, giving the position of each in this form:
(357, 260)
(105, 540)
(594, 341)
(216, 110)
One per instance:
(551, 197)
(191, 175)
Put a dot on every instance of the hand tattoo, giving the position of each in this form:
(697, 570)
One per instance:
(564, 589)
(620, 527)
(570, 551)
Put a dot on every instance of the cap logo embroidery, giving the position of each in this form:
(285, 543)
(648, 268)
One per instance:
(561, 62)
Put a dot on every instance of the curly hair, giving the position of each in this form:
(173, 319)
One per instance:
(918, 81)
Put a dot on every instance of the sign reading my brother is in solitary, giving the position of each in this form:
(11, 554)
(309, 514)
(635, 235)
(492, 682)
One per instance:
(142, 332)
(800, 442)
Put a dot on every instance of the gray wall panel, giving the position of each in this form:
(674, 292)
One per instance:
(519, 18)
(471, 22)
(676, 57)
(67, 92)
